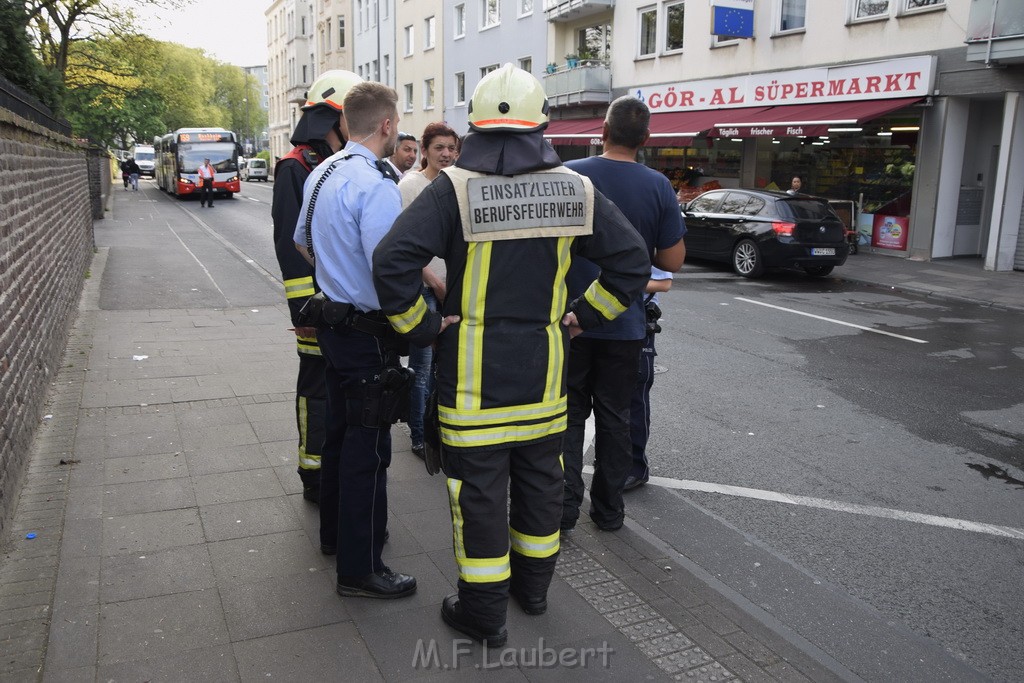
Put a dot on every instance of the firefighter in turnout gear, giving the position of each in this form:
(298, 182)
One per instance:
(319, 133)
(508, 219)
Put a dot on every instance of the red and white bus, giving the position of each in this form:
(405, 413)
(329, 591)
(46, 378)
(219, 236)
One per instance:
(179, 155)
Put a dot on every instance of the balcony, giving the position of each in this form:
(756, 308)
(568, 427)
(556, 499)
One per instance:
(571, 10)
(995, 32)
(588, 83)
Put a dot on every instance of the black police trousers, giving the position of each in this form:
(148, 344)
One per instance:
(355, 459)
(498, 544)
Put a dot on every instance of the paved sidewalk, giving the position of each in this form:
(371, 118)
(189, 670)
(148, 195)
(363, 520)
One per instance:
(172, 541)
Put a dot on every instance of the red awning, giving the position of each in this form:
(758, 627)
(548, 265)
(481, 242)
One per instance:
(573, 131)
(801, 119)
(678, 128)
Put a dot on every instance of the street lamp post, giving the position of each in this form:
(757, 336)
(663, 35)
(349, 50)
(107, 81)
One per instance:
(248, 147)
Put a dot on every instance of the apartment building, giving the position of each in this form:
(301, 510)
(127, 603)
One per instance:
(878, 102)
(290, 68)
(480, 36)
(333, 37)
(373, 45)
(420, 64)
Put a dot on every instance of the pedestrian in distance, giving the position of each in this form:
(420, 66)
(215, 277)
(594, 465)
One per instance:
(320, 132)
(796, 185)
(603, 364)
(206, 173)
(131, 168)
(438, 149)
(502, 336)
(349, 203)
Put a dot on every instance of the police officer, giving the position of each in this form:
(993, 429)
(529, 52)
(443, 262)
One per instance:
(354, 199)
(320, 132)
(508, 219)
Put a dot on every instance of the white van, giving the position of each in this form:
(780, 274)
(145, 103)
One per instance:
(145, 157)
(255, 169)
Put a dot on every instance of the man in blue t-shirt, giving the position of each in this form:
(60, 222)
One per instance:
(603, 363)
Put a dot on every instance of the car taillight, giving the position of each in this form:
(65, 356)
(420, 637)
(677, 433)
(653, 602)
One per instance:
(781, 228)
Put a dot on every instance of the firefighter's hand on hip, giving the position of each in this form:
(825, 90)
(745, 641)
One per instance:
(569, 321)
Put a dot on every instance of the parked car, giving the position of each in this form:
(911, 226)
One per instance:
(755, 230)
(255, 169)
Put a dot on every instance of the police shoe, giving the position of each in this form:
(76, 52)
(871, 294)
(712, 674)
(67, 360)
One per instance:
(418, 451)
(451, 612)
(385, 584)
(531, 604)
(311, 493)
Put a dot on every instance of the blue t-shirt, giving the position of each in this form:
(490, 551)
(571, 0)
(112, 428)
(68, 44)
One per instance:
(647, 199)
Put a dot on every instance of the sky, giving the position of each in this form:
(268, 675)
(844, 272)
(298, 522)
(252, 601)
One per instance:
(233, 31)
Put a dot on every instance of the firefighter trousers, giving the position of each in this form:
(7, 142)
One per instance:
(501, 543)
(310, 409)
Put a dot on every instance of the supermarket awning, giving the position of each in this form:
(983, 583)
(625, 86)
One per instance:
(801, 119)
(678, 128)
(573, 131)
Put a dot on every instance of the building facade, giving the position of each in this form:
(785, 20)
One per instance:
(333, 35)
(290, 68)
(373, 46)
(420, 64)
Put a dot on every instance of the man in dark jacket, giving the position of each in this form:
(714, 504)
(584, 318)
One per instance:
(508, 219)
(319, 133)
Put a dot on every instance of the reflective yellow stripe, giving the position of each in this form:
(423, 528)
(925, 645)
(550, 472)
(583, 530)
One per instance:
(454, 489)
(556, 347)
(497, 435)
(485, 416)
(484, 569)
(471, 330)
(307, 461)
(602, 300)
(308, 346)
(404, 322)
(533, 546)
(300, 286)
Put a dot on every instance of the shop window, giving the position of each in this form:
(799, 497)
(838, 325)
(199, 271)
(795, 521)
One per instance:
(792, 16)
(674, 15)
(867, 10)
(648, 26)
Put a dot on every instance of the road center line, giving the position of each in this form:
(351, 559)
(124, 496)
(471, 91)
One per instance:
(831, 320)
(837, 506)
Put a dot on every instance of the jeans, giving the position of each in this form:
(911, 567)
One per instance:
(420, 360)
(134, 178)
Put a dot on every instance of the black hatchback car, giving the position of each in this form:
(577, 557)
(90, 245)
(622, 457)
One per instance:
(756, 229)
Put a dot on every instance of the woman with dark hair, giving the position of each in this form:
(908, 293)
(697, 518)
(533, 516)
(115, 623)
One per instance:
(438, 149)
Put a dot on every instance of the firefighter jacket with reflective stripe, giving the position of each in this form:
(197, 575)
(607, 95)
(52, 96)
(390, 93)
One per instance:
(501, 369)
(289, 175)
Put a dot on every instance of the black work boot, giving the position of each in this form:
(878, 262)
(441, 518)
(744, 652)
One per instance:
(451, 612)
(531, 604)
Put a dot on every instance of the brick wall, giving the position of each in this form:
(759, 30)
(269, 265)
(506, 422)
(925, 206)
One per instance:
(46, 243)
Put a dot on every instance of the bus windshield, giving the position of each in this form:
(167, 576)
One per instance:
(220, 154)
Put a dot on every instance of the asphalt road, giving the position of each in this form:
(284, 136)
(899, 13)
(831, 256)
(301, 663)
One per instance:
(758, 394)
(874, 459)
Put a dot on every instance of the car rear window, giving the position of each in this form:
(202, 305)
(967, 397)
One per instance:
(257, 163)
(804, 209)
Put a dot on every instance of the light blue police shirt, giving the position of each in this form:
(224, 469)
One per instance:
(354, 210)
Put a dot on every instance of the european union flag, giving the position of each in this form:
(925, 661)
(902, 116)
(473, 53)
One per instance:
(731, 22)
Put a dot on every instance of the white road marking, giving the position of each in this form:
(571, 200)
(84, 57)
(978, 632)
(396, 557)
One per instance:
(200, 263)
(837, 506)
(832, 320)
(252, 199)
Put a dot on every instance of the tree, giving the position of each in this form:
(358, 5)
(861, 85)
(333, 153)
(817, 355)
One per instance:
(19, 65)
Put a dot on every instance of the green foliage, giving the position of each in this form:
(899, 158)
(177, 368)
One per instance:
(264, 154)
(19, 65)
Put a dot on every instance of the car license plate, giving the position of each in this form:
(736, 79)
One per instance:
(823, 251)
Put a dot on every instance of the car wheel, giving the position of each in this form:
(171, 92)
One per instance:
(746, 259)
(818, 271)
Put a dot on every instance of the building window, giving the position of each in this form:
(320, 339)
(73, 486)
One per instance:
(341, 31)
(526, 64)
(648, 24)
(408, 97)
(595, 40)
(460, 88)
(429, 26)
(409, 45)
(460, 21)
(792, 15)
(376, 71)
(484, 70)
(304, 74)
(525, 7)
(359, 14)
(428, 93)
(327, 35)
(360, 71)
(490, 13)
(387, 70)
(303, 19)
(674, 27)
(911, 6)
(870, 9)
